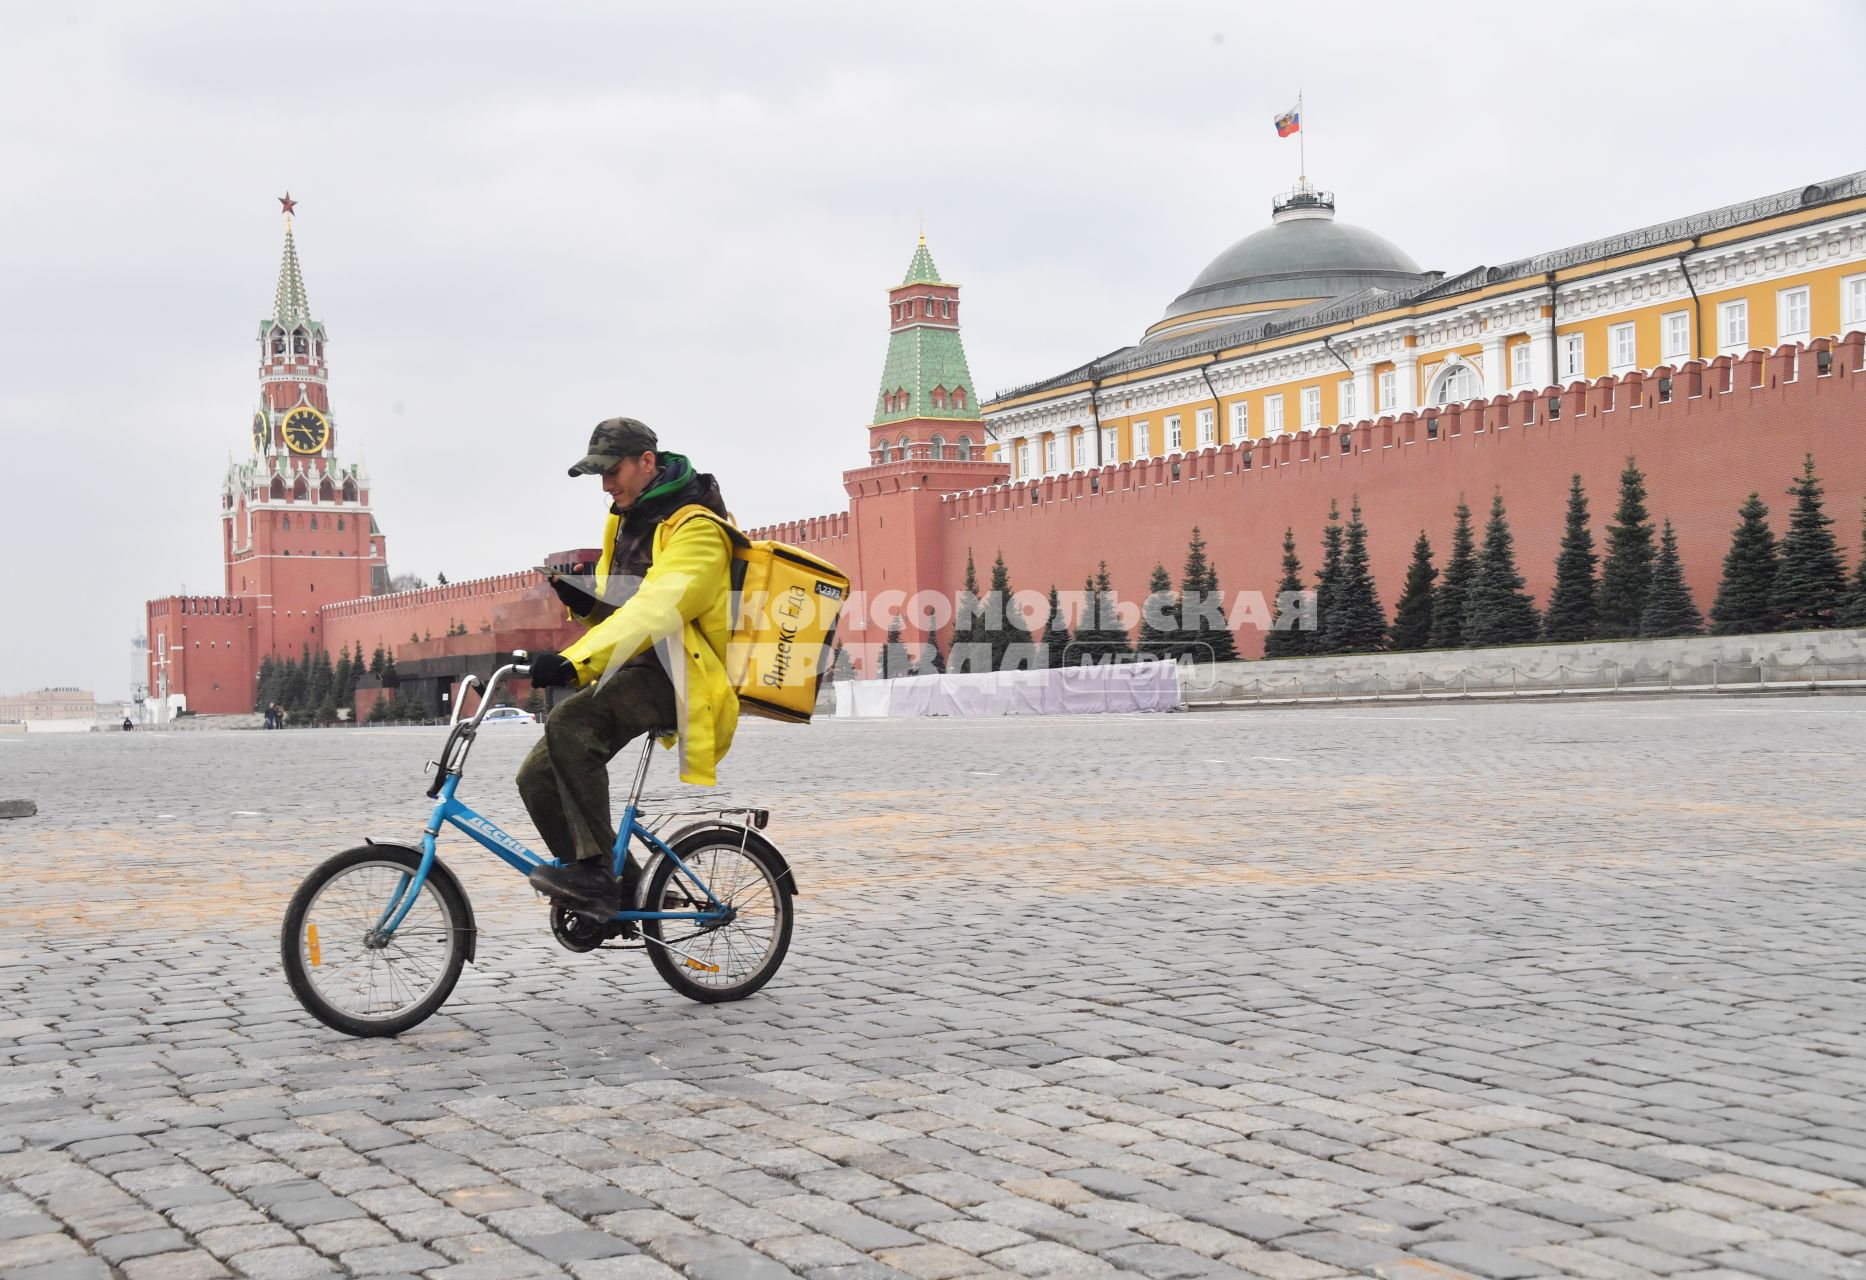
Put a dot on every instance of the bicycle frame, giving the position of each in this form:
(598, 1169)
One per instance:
(449, 810)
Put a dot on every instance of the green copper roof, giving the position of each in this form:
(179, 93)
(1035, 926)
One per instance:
(919, 361)
(289, 304)
(921, 270)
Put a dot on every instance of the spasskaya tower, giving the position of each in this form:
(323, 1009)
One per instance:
(297, 530)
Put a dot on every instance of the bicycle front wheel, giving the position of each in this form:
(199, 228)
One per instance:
(717, 962)
(347, 978)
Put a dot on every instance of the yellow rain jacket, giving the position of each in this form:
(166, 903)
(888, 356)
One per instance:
(684, 599)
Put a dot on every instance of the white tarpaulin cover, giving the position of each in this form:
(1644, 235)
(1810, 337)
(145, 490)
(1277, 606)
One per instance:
(1134, 686)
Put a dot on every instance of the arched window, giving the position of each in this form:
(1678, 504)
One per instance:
(958, 397)
(939, 446)
(278, 342)
(939, 397)
(1457, 384)
(300, 343)
(904, 449)
(314, 524)
(327, 492)
(285, 522)
(965, 448)
(278, 489)
(339, 524)
(349, 491)
(301, 491)
(883, 452)
(902, 401)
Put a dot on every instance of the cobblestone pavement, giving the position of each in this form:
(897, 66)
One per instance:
(1493, 991)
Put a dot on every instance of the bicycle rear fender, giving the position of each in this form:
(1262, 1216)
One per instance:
(442, 871)
(733, 834)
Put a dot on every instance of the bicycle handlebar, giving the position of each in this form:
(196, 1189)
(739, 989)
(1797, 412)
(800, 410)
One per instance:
(460, 734)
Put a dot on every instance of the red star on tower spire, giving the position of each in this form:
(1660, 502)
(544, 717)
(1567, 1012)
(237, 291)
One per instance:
(287, 203)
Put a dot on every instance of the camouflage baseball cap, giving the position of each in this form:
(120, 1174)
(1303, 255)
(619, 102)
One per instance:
(612, 441)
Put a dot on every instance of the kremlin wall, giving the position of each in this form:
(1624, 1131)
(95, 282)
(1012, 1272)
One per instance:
(1717, 350)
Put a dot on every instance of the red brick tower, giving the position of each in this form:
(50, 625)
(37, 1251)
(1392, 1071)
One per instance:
(296, 526)
(926, 439)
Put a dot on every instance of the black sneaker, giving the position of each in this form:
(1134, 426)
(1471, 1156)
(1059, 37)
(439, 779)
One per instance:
(584, 886)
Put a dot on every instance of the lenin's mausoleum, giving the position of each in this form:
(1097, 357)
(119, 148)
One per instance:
(1312, 362)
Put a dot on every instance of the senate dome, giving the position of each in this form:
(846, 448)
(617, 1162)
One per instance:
(1303, 256)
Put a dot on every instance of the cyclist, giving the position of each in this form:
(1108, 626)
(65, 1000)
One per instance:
(657, 614)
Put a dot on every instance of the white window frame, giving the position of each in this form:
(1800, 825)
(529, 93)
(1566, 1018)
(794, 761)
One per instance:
(1175, 438)
(1273, 414)
(1049, 454)
(1790, 327)
(1573, 349)
(1208, 428)
(1110, 445)
(1733, 326)
(1078, 450)
(1309, 406)
(1346, 393)
(1388, 393)
(1240, 420)
(1622, 348)
(1852, 303)
(1675, 336)
(1143, 443)
(1522, 366)
(1023, 458)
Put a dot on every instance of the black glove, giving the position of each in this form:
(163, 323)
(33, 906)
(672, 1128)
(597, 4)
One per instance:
(552, 671)
(575, 598)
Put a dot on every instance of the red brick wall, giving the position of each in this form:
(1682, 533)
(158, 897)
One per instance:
(1730, 427)
(390, 620)
(210, 645)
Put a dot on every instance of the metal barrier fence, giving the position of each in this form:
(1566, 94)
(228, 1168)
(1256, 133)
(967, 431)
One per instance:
(1644, 677)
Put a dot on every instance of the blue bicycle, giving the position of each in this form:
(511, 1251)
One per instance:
(375, 938)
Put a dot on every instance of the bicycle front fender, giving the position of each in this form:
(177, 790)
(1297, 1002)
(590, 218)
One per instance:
(468, 930)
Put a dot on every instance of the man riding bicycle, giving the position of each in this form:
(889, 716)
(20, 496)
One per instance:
(658, 614)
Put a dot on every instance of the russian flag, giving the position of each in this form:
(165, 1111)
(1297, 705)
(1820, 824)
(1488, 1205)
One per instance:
(1289, 122)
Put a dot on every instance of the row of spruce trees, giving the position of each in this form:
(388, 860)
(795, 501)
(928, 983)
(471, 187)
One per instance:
(1186, 622)
(1796, 583)
(311, 688)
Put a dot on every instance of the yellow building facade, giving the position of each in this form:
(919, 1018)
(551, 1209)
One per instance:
(1311, 322)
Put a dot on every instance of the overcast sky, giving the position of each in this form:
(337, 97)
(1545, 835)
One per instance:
(519, 219)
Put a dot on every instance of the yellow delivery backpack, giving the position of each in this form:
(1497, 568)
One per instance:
(785, 604)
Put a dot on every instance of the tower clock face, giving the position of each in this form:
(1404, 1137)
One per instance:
(259, 432)
(306, 430)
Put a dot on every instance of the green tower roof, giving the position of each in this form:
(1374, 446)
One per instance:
(921, 270)
(289, 304)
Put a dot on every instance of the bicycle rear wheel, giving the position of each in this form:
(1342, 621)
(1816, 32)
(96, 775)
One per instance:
(718, 962)
(344, 978)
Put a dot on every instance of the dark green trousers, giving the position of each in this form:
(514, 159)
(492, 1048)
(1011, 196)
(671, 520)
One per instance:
(565, 780)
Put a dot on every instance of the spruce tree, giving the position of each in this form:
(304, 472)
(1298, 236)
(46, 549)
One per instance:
(1004, 625)
(343, 680)
(1214, 631)
(1627, 574)
(1360, 622)
(932, 661)
(1670, 610)
(893, 653)
(1811, 583)
(1571, 603)
(1102, 634)
(1286, 637)
(1853, 608)
(1056, 633)
(971, 642)
(375, 663)
(1198, 591)
(1743, 605)
(841, 665)
(379, 709)
(1328, 585)
(1412, 616)
(1159, 618)
(1498, 610)
(263, 694)
(1455, 587)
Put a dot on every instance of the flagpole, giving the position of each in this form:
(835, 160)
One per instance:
(1302, 143)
